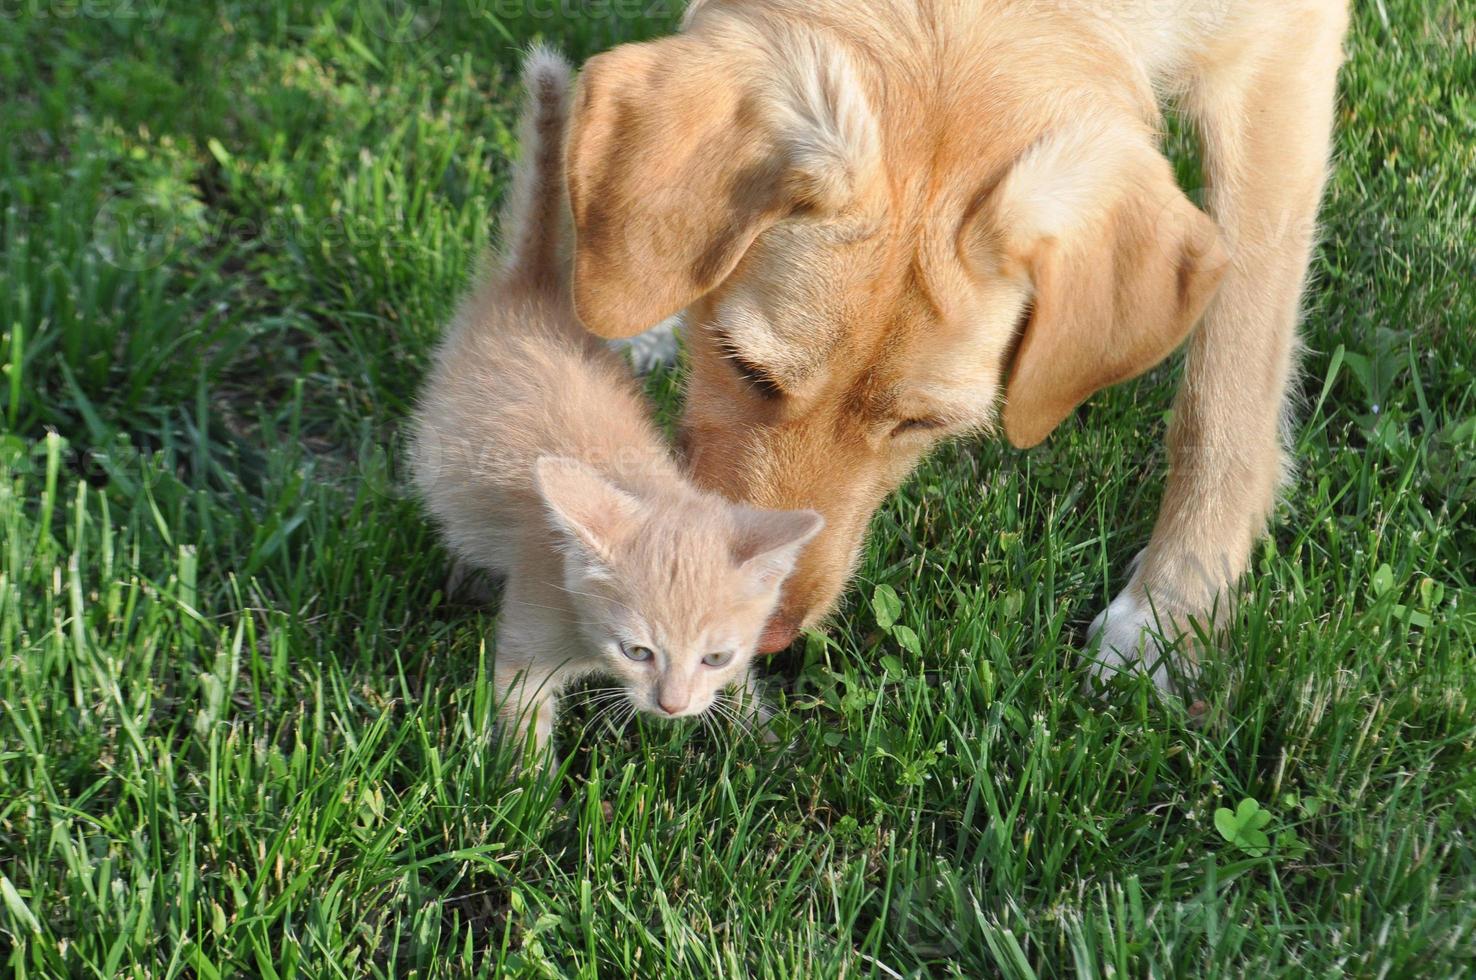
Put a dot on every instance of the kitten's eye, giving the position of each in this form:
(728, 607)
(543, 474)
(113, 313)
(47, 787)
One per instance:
(717, 659)
(637, 653)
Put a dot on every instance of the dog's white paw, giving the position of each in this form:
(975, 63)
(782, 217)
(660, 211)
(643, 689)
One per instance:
(1127, 638)
(655, 348)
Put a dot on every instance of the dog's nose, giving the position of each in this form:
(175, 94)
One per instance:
(778, 635)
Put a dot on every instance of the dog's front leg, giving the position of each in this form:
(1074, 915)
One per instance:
(1265, 116)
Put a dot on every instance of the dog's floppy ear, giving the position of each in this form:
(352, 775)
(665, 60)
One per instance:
(683, 151)
(1122, 266)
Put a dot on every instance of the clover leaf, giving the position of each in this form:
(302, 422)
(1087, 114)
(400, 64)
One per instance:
(1245, 827)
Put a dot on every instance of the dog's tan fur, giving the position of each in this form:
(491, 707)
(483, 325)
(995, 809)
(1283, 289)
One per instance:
(894, 221)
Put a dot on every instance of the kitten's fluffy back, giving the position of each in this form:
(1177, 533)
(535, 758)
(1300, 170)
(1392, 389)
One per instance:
(534, 450)
(483, 423)
(482, 426)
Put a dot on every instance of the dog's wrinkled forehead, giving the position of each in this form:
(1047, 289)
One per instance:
(776, 314)
(892, 311)
(804, 295)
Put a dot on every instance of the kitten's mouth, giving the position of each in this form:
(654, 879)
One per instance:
(657, 711)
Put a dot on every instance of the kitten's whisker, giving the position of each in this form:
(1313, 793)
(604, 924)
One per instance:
(735, 723)
(540, 605)
(751, 704)
(719, 709)
(630, 713)
(600, 707)
(722, 732)
(744, 700)
(597, 709)
(595, 691)
(602, 716)
(594, 694)
(617, 701)
(733, 712)
(589, 595)
(606, 712)
(741, 723)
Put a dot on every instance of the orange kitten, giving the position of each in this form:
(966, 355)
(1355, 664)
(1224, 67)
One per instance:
(535, 452)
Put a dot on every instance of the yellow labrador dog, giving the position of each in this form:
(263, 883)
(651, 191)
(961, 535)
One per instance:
(890, 222)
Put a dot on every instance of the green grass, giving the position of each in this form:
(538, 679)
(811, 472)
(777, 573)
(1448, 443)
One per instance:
(242, 732)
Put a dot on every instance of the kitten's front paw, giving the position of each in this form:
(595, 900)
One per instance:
(755, 711)
(529, 755)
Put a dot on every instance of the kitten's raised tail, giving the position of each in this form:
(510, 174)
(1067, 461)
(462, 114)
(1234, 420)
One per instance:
(535, 222)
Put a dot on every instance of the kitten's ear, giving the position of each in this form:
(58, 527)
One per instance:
(768, 542)
(593, 513)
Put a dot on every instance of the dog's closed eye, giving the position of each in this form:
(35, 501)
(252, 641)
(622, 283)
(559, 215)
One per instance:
(761, 381)
(913, 426)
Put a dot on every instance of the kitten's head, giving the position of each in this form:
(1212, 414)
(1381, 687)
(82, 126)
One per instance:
(673, 591)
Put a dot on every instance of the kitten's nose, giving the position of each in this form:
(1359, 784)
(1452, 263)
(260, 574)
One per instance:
(672, 706)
